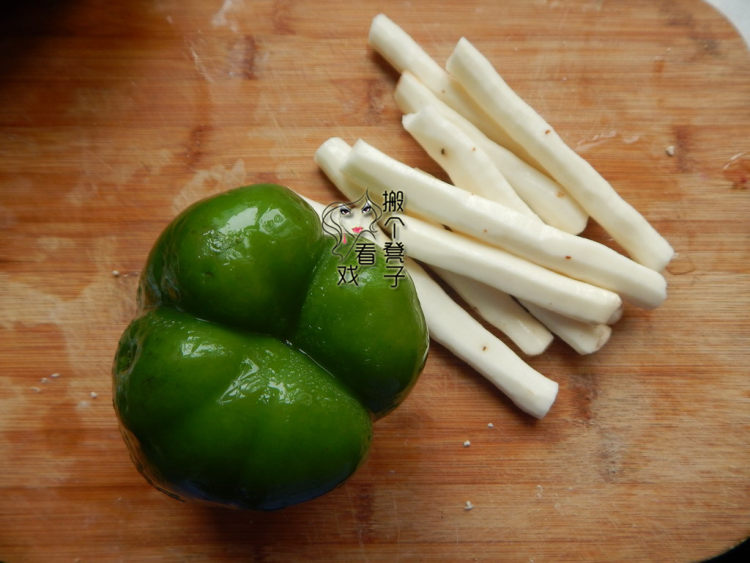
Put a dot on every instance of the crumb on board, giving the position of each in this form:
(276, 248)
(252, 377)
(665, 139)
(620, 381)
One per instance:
(468, 505)
(467, 443)
(44, 380)
(669, 150)
(36, 389)
(490, 425)
(54, 375)
(116, 273)
(93, 394)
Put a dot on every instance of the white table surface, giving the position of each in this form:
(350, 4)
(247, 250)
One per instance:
(737, 12)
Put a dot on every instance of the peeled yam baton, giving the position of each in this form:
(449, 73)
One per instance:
(436, 246)
(507, 272)
(584, 338)
(330, 158)
(628, 227)
(501, 311)
(575, 256)
(548, 199)
(459, 332)
(467, 165)
(403, 53)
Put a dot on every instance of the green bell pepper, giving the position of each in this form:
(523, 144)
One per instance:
(252, 375)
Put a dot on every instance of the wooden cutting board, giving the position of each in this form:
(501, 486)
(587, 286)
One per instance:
(114, 116)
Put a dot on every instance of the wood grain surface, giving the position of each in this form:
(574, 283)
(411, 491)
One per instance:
(116, 115)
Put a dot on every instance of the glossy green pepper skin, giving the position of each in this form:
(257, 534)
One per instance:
(243, 257)
(251, 376)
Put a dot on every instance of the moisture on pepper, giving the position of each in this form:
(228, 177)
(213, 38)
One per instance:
(251, 377)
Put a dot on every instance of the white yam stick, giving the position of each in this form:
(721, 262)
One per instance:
(584, 338)
(548, 199)
(628, 227)
(496, 307)
(403, 53)
(330, 158)
(495, 267)
(466, 163)
(448, 323)
(575, 256)
(438, 247)
(501, 311)
(464, 336)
